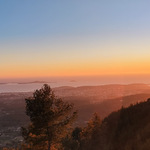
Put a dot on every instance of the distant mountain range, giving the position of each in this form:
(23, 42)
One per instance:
(102, 92)
(25, 82)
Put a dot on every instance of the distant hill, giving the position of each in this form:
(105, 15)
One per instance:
(86, 109)
(33, 82)
(103, 92)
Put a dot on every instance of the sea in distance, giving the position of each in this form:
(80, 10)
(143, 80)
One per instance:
(31, 84)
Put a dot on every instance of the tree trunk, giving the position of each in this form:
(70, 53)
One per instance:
(49, 140)
(49, 145)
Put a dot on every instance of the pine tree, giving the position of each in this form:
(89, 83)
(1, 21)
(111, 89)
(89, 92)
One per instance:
(50, 117)
(90, 133)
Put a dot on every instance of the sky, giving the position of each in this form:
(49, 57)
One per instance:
(74, 38)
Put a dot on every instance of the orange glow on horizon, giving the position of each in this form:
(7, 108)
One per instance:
(84, 69)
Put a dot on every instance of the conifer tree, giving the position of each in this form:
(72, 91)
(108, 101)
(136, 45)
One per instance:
(90, 133)
(50, 117)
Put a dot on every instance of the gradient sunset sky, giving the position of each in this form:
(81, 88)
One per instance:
(42, 38)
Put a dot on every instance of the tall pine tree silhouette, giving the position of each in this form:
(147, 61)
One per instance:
(50, 117)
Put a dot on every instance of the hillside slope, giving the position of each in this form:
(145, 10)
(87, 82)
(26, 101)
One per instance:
(127, 129)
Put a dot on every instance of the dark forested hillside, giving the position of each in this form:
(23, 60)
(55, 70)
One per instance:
(127, 129)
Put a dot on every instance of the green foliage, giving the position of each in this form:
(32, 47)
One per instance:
(50, 119)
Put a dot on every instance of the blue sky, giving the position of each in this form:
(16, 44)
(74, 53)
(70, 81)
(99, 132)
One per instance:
(30, 19)
(79, 33)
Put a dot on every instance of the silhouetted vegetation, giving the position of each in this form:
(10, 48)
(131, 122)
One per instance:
(127, 129)
(50, 119)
